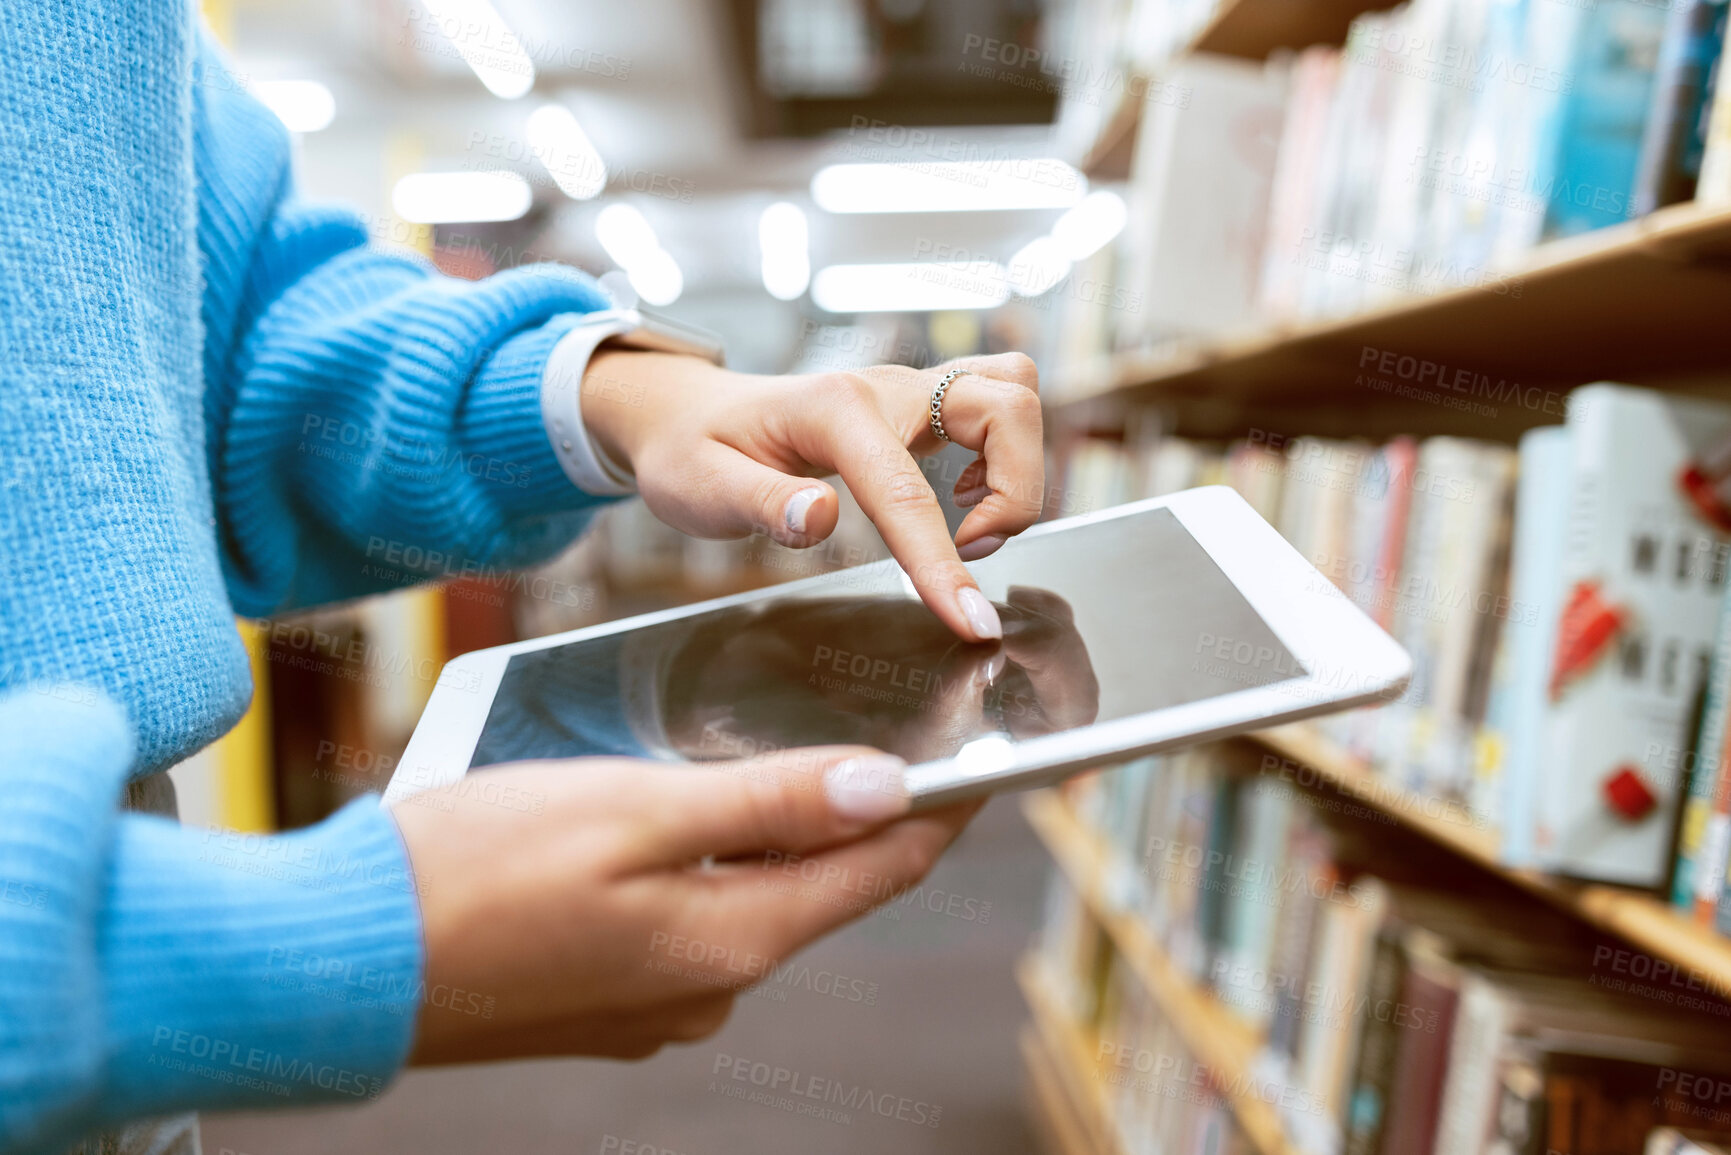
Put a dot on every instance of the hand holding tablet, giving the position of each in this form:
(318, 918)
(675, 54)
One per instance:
(627, 902)
(583, 924)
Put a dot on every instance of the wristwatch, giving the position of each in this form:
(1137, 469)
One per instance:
(591, 468)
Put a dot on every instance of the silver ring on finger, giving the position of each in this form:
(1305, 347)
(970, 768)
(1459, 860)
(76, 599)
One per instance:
(938, 391)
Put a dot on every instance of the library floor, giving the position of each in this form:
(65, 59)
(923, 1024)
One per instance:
(941, 1031)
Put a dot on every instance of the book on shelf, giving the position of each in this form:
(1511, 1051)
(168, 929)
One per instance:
(1453, 571)
(1430, 993)
(1372, 1080)
(1675, 137)
(1676, 1141)
(1157, 1096)
(1522, 674)
(1199, 195)
(1380, 511)
(1555, 1023)
(1636, 549)
(1323, 1062)
(1415, 533)
(1613, 53)
(1293, 192)
(1446, 138)
(1705, 828)
(1398, 1012)
(1560, 603)
(1713, 183)
(1430, 151)
(1074, 950)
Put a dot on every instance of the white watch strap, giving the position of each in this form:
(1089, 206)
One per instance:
(587, 465)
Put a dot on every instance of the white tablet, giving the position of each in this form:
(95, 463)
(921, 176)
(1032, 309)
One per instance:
(1142, 628)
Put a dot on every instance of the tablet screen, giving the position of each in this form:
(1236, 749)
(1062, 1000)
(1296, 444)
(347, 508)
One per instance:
(1101, 621)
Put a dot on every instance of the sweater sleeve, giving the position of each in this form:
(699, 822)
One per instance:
(369, 421)
(147, 968)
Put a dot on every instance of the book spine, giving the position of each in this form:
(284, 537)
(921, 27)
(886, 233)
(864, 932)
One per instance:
(1211, 905)
(1469, 1092)
(1520, 1114)
(1542, 503)
(1713, 186)
(1662, 141)
(1706, 49)
(1305, 865)
(1432, 994)
(1605, 117)
(1702, 836)
(1402, 457)
(1367, 1106)
(1717, 913)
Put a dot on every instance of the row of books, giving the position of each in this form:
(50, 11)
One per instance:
(1443, 141)
(1397, 1017)
(1449, 136)
(1560, 603)
(1158, 1098)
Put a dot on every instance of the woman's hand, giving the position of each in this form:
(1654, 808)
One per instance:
(720, 454)
(584, 922)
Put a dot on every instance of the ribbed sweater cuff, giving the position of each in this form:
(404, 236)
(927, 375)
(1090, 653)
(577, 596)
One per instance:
(505, 434)
(257, 970)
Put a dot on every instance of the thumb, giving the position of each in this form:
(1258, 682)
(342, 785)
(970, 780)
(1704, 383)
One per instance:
(739, 496)
(794, 800)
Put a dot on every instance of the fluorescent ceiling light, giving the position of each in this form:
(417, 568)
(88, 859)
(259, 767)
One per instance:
(785, 242)
(950, 186)
(1037, 266)
(631, 243)
(302, 105)
(625, 234)
(564, 150)
(486, 44)
(912, 288)
(436, 198)
(657, 278)
(1091, 225)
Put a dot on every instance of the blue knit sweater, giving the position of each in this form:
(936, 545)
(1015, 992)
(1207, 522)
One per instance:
(178, 338)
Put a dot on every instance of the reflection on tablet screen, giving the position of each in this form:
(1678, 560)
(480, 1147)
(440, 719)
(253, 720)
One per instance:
(1100, 622)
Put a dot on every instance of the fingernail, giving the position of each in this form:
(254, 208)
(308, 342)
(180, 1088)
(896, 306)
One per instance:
(981, 547)
(867, 789)
(797, 506)
(987, 672)
(982, 618)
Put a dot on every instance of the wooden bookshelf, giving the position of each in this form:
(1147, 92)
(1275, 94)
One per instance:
(1066, 1077)
(1055, 1117)
(1224, 1043)
(1215, 1038)
(1255, 29)
(1639, 918)
(1108, 158)
(1643, 302)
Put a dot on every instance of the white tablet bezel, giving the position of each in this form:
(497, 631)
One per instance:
(1349, 659)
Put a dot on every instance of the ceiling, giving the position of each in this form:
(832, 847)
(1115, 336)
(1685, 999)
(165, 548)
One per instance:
(660, 87)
